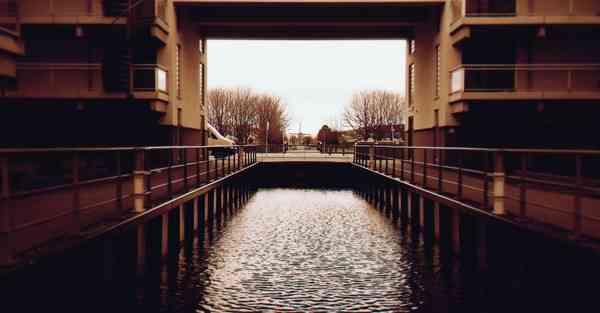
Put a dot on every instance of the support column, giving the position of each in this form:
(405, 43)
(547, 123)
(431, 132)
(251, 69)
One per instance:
(404, 207)
(372, 156)
(188, 230)
(429, 221)
(201, 213)
(139, 178)
(415, 211)
(499, 180)
(211, 208)
(174, 232)
(6, 242)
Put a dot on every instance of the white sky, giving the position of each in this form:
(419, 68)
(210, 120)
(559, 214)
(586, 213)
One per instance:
(316, 79)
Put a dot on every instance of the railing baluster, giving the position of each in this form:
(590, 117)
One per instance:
(6, 219)
(486, 187)
(412, 167)
(523, 187)
(119, 183)
(425, 167)
(206, 150)
(440, 154)
(197, 167)
(76, 191)
(402, 154)
(394, 161)
(170, 174)
(185, 169)
(577, 216)
(460, 174)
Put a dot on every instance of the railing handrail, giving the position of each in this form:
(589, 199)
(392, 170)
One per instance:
(509, 150)
(109, 149)
(58, 66)
(530, 66)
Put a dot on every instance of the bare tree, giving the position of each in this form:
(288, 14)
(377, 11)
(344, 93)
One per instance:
(244, 113)
(371, 112)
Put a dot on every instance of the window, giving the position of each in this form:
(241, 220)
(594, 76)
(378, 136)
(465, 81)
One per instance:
(411, 84)
(178, 70)
(438, 66)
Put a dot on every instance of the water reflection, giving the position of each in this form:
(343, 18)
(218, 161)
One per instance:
(305, 250)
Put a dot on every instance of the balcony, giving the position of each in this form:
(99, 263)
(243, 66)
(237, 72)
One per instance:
(86, 81)
(150, 82)
(61, 81)
(65, 12)
(525, 82)
(524, 12)
(151, 21)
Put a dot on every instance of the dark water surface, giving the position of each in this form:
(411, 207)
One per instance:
(309, 250)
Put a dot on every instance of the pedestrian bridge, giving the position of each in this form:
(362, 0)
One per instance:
(53, 199)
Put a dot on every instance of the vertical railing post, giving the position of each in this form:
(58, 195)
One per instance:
(170, 174)
(119, 187)
(425, 167)
(440, 155)
(139, 173)
(240, 157)
(372, 156)
(412, 166)
(523, 187)
(76, 192)
(577, 216)
(185, 169)
(207, 154)
(197, 167)
(499, 181)
(6, 252)
(394, 161)
(459, 193)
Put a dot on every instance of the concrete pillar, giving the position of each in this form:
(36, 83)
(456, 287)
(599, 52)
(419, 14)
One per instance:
(498, 185)
(429, 221)
(188, 217)
(482, 261)
(211, 208)
(219, 204)
(455, 220)
(140, 250)
(201, 203)
(404, 207)
(154, 249)
(445, 229)
(174, 232)
(139, 182)
(6, 253)
(415, 211)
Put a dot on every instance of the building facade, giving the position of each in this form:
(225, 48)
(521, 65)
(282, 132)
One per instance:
(506, 73)
(100, 73)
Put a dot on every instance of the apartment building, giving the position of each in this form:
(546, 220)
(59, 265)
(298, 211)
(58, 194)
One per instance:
(100, 73)
(506, 73)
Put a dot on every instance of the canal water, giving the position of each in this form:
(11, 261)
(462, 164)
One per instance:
(310, 250)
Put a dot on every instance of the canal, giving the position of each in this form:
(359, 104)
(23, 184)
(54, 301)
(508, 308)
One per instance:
(309, 242)
(328, 250)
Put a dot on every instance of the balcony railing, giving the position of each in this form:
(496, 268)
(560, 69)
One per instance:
(149, 78)
(59, 80)
(499, 8)
(557, 78)
(60, 8)
(9, 15)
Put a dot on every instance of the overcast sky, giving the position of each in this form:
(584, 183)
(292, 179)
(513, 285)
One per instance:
(316, 79)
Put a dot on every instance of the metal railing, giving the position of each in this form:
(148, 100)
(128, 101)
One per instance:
(50, 8)
(63, 192)
(305, 152)
(552, 187)
(526, 78)
(508, 8)
(59, 79)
